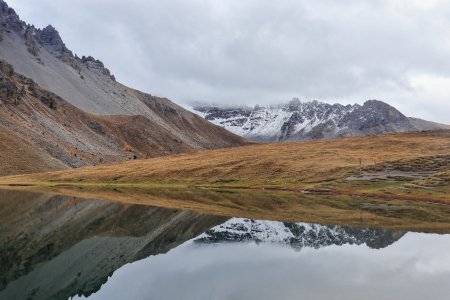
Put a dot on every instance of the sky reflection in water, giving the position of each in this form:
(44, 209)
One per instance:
(415, 267)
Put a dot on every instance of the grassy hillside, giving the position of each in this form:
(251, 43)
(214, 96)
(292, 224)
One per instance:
(286, 164)
(19, 156)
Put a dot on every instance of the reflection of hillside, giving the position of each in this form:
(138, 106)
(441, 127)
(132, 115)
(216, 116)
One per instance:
(54, 247)
(298, 235)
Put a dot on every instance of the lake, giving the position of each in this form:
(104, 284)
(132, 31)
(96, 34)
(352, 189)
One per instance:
(64, 247)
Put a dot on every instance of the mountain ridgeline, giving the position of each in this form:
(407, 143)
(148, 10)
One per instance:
(298, 120)
(65, 111)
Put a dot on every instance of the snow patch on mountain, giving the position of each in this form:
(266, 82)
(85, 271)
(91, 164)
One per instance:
(298, 120)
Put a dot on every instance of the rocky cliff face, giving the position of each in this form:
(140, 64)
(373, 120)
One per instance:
(297, 235)
(47, 39)
(9, 19)
(73, 109)
(309, 120)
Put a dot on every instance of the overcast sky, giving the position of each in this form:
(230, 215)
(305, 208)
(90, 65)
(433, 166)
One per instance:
(265, 51)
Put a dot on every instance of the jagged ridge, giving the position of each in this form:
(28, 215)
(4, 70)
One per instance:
(47, 37)
(308, 120)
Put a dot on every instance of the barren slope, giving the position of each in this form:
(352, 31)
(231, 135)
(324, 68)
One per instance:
(56, 129)
(427, 125)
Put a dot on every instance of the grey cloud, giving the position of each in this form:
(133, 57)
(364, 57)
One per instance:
(261, 51)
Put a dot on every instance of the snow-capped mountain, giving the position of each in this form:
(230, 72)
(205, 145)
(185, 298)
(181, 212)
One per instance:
(297, 235)
(298, 120)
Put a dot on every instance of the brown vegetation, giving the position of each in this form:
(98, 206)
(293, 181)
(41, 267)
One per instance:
(286, 164)
(19, 156)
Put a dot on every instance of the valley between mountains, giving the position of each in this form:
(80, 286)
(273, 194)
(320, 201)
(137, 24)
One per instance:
(228, 190)
(68, 127)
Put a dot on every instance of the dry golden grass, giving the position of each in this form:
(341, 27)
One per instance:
(17, 155)
(287, 164)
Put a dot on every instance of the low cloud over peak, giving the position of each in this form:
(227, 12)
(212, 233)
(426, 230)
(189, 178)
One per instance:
(261, 51)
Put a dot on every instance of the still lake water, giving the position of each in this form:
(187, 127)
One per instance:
(57, 247)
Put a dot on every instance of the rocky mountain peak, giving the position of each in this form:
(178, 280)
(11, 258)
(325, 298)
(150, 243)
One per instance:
(297, 120)
(95, 64)
(385, 109)
(5, 10)
(49, 36)
(9, 18)
(377, 105)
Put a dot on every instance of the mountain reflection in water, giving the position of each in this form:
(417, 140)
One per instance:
(57, 247)
(416, 267)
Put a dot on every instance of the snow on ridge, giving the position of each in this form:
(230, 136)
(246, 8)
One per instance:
(306, 120)
(268, 121)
